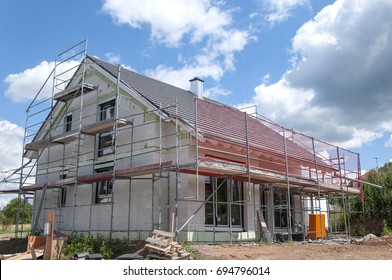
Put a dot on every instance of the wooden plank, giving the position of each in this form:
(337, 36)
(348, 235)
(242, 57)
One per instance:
(24, 256)
(103, 126)
(160, 249)
(164, 233)
(72, 92)
(96, 177)
(158, 242)
(264, 227)
(33, 255)
(142, 170)
(49, 237)
(21, 256)
(36, 145)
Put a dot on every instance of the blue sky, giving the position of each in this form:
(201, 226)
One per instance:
(320, 67)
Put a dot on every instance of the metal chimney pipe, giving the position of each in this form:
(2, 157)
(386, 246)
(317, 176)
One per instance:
(197, 86)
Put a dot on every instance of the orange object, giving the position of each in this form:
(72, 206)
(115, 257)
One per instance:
(317, 226)
(36, 241)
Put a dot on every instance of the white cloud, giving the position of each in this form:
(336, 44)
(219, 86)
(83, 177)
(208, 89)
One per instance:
(249, 108)
(203, 24)
(116, 59)
(25, 85)
(180, 77)
(339, 86)
(170, 20)
(113, 58)
(266, 78)
(11, 142)
(215, 92)
(280, 10)
(281, 94)
(359, 138)
(11, 138)
(388, 143)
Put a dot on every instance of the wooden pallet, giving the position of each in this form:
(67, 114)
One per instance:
(161, 245)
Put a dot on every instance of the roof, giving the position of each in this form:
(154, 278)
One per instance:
(214, 119)
(156, 92)
(217, 121)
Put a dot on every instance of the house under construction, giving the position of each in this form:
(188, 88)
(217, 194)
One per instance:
(118, 153)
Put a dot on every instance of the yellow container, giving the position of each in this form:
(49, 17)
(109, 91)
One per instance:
(317, 226)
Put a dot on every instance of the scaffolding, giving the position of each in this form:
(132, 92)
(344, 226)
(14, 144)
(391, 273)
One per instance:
(81, 139)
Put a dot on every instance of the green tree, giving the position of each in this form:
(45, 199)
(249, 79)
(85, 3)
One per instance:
(4, 221)
(377, 207)
(11, 209)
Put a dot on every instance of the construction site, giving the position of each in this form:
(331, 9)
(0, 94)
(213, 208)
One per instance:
(119, 154)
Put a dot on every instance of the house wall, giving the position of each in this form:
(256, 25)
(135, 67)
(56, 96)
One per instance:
(140, 203)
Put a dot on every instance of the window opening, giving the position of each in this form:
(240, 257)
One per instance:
(105, 143)
(63, 191)
(68, 123)
(104, 189)
(280, 213)
(107, 110)
(225, 205)
(63, 196)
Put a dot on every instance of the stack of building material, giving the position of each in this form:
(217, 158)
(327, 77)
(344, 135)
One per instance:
(130, 257)
(162, 247)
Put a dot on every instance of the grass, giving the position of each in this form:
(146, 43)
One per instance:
(195, 254)
(10, 229)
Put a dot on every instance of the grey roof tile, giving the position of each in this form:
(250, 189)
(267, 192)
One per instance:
(156, 92)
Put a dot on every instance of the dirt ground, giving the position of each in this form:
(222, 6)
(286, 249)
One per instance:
(377, 248)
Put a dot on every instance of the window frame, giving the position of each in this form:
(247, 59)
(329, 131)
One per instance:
(103, 147)
(107, 110)
(280, 210)
(62, 199)
(104, 189)
(222, 205)
(63, 196)
(68, 122)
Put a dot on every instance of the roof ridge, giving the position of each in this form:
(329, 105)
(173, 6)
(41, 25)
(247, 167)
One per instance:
(139, 74)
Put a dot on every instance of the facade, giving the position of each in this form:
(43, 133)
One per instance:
(122, 154)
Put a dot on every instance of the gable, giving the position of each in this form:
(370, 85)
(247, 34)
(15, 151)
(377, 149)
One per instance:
(157, 93)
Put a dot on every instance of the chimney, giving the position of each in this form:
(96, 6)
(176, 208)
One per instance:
(197, 86)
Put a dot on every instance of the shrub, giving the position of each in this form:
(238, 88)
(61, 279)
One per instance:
(385, 229)
(109, 248)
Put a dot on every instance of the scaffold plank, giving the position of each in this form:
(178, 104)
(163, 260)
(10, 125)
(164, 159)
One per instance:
(72, 92)
(227, 168)
(142, 170)
(62, 182)
(63, 138)
(103, 126)
(96, 177)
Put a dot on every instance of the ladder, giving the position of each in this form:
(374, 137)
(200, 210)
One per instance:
(74, 159)
(57, 207)
(37, 115)
(38, 214)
